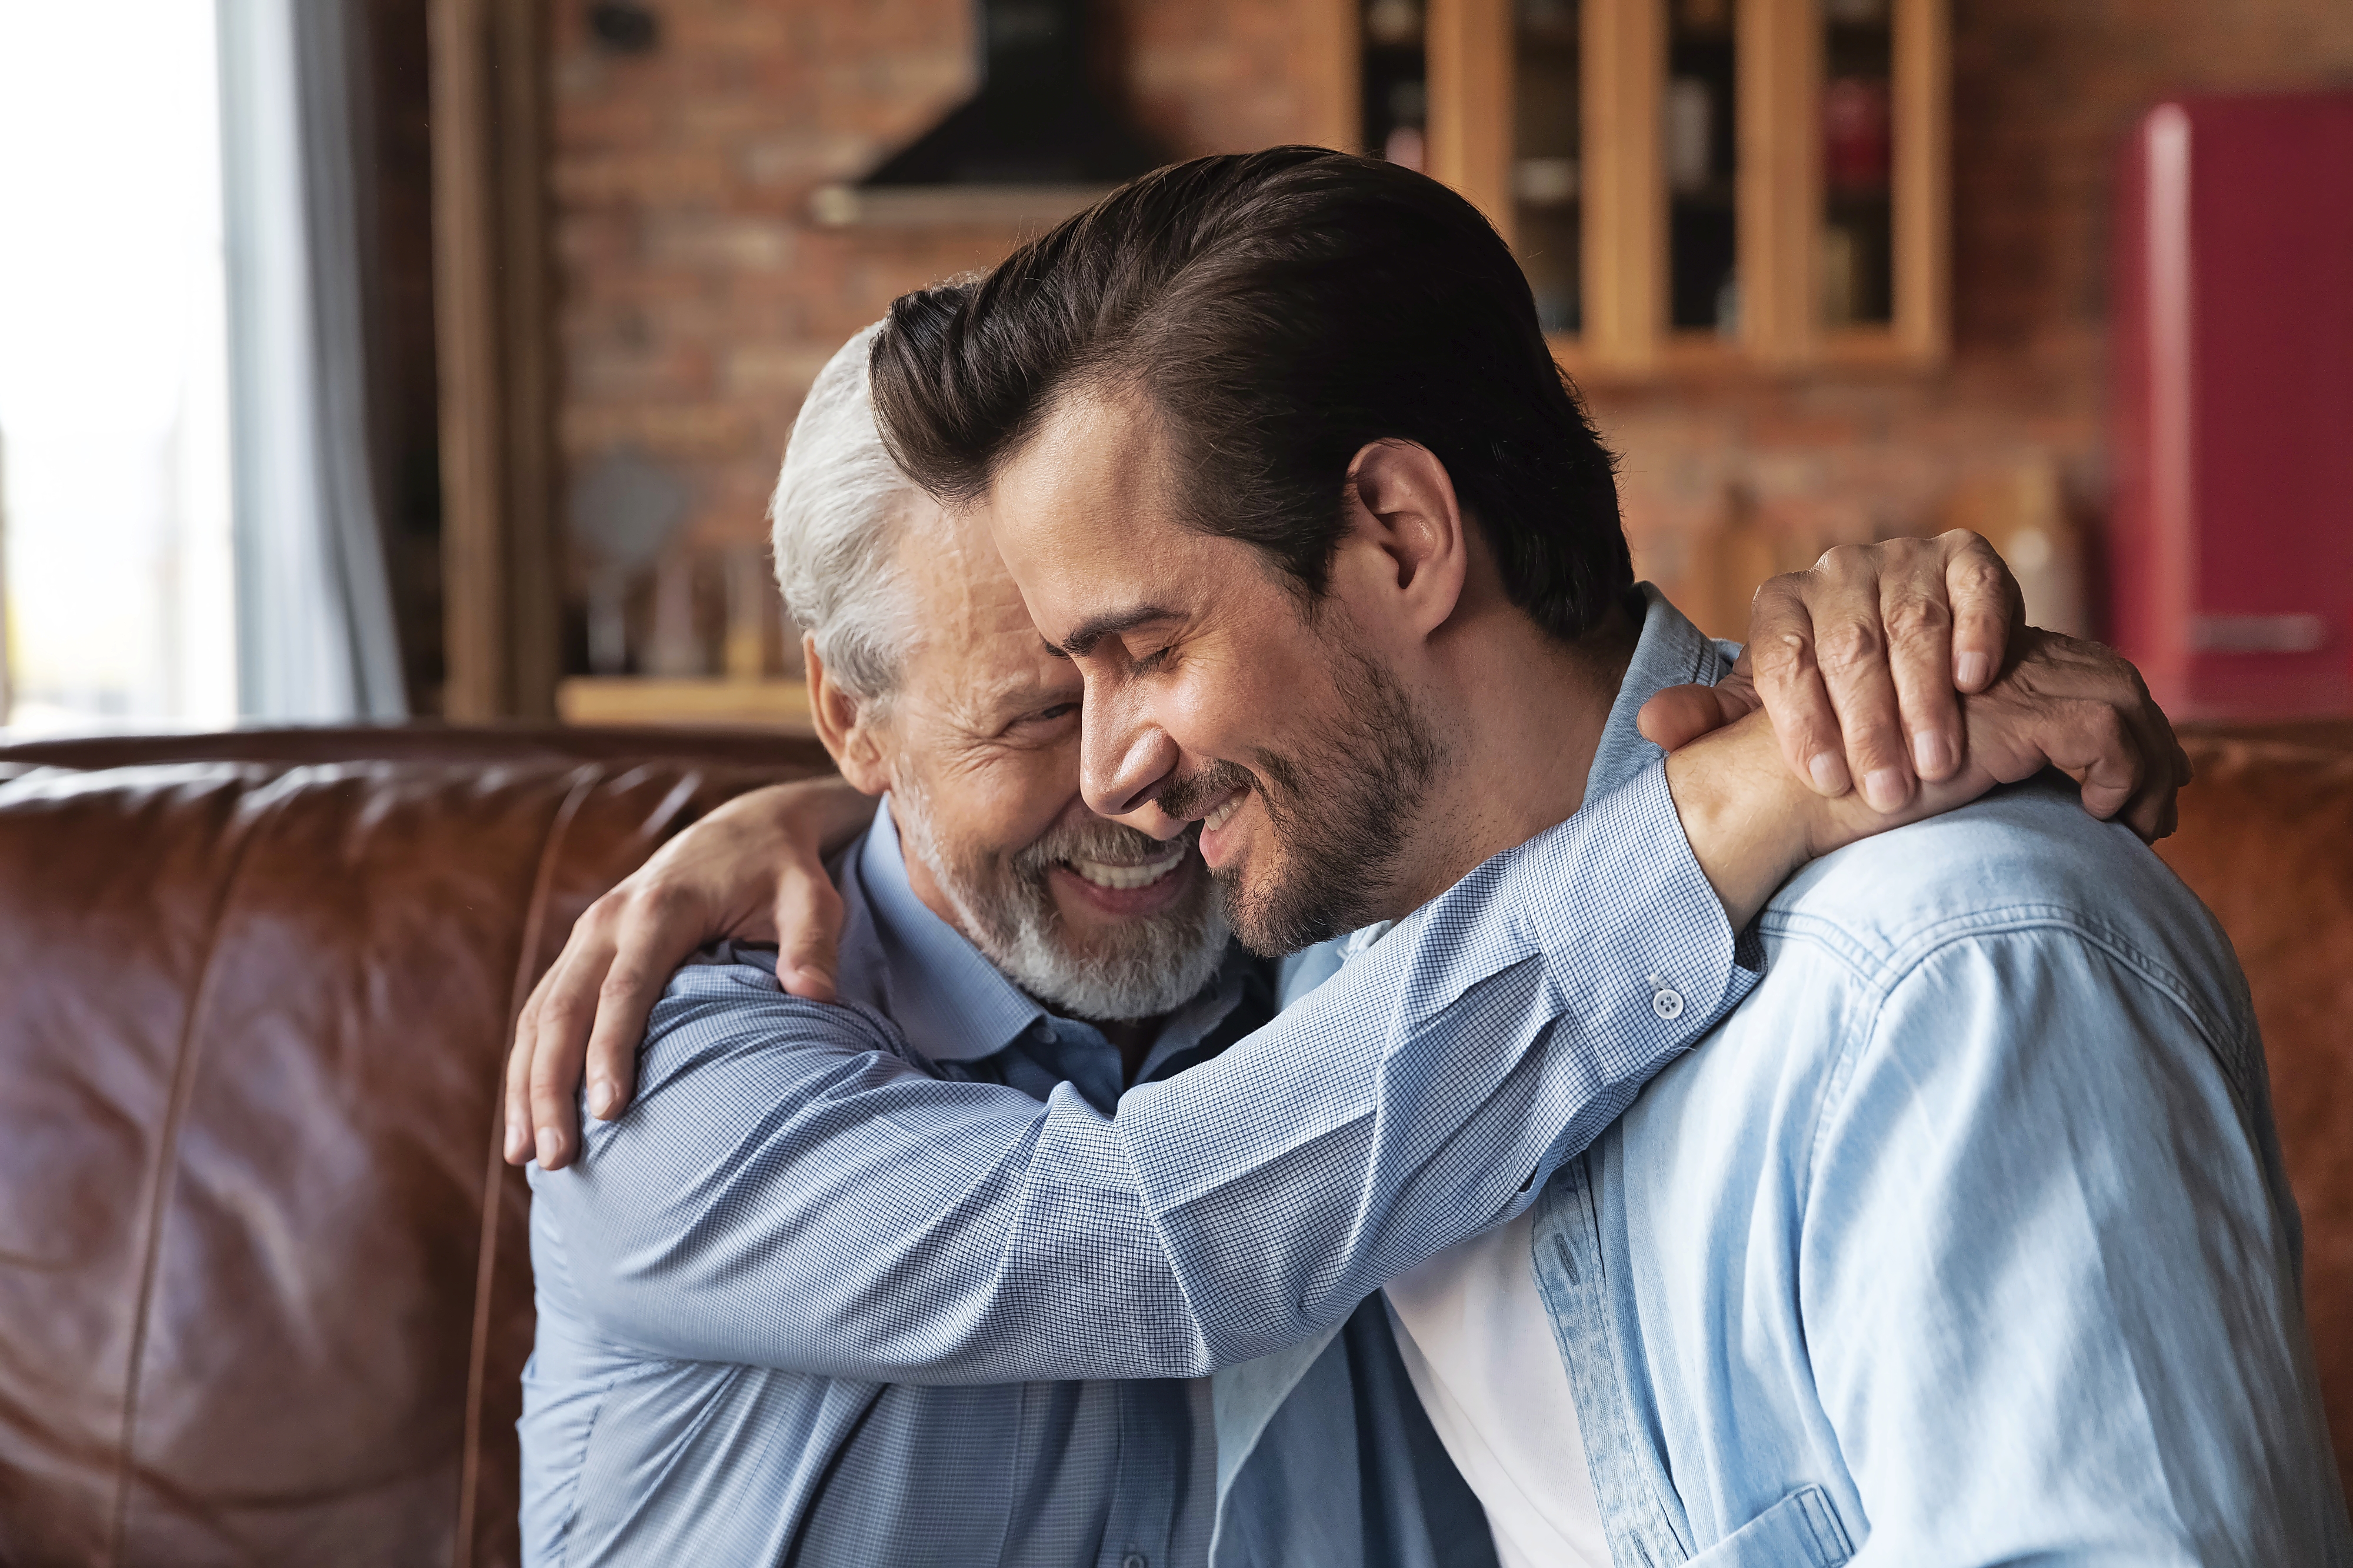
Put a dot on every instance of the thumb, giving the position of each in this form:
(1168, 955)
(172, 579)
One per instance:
(808, 933)
(1677, 715)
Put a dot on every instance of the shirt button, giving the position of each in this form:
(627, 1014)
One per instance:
(1668, 1005)
(1135, 1560)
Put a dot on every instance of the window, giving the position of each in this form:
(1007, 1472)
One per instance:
(114, 510)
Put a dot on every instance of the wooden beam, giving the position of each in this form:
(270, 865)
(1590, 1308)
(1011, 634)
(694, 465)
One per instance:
(491, 338)
(1780, 187)
(1338, 38)
(526, 325)
(1470, 110)
(1624, 50)
(465, 310)
(1923, 179)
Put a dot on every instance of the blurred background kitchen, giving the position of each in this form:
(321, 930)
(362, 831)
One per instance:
(431, 359)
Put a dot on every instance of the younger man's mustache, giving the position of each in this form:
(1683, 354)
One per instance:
(1191, 798)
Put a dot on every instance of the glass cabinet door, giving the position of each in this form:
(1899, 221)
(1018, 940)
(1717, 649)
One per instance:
(1856, 246)
(1396, 87)
(1700, 148)
(1690, 184)
(1548, 167)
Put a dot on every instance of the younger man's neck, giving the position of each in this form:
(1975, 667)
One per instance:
(1528, 711)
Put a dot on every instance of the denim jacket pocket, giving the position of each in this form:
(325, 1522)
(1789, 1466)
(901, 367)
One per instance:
(1802, 1529)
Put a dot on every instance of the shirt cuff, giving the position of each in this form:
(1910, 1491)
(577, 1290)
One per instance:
(1639, 944)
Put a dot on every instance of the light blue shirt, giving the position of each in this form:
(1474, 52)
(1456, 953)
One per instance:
(807, 1205)
(1963, 1240)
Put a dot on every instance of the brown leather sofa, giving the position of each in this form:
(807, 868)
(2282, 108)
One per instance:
(263, 1282)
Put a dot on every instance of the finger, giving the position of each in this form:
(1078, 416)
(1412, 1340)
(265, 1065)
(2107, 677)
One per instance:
(2093, 743)
(559, 1039)
(1737, 692)
(2156, 811)
(808, 931)
(639, 973)
(1986, 607)
(1920, 665)
(1851, 645)
(518, 1145)
(1781, 657)
(1677, 715)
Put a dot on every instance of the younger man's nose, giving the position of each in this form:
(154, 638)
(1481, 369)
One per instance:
(1122, 768)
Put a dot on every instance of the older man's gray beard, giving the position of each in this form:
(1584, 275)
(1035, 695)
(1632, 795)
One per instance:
(1136, 969)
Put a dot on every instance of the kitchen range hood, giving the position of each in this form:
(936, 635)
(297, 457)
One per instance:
(1039, 140)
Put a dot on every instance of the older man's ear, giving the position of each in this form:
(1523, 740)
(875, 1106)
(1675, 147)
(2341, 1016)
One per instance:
(847, 724)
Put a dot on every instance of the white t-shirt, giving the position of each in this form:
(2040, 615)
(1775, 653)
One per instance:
(1477, 1344)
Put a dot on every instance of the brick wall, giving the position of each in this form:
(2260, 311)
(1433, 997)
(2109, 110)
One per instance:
(698, 300)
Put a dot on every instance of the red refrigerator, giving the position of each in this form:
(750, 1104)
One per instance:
(2231, 550)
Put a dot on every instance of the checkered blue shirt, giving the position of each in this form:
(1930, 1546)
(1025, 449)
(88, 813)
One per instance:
(818, 1192)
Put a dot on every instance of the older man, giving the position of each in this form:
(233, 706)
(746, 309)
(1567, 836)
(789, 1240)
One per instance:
(789, 1302)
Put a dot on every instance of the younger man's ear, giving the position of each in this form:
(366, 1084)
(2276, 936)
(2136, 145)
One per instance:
(845, 725)
(1407, 532)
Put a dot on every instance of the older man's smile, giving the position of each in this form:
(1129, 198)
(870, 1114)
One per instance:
(1129, 889)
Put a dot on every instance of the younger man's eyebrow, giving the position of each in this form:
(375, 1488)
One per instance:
(1090, 633)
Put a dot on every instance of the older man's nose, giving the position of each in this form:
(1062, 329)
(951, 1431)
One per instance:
(1122, 769)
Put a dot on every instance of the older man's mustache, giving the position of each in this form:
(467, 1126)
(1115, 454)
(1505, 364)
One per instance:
(1106, 843)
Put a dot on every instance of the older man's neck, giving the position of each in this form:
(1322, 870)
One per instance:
(1529, 714)
(1134, 1039)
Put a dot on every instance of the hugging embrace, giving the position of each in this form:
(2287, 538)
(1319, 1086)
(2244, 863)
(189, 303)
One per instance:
(1345, 1041)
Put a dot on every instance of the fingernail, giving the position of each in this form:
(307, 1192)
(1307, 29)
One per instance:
(516, 1143)
(1884, 788)
(1928, 754)
(601, 1095)
(1829, 777)
(550, 1146)
(1973, 670)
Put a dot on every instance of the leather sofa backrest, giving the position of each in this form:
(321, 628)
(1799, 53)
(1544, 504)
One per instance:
(265, 1287)
(2266, 840)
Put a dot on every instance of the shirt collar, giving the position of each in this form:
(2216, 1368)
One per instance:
(1670, 651)
(932, 980)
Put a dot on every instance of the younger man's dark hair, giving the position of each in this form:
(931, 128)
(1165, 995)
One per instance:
(1280, 310)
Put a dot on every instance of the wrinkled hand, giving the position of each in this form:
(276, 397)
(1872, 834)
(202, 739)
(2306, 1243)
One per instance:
(1859, 660)
(2065, 704)
(753, 868)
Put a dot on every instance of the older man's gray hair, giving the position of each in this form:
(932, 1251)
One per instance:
(837, 514)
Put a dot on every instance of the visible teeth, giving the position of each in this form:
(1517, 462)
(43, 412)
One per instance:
(1129, 876)
(1219, 817)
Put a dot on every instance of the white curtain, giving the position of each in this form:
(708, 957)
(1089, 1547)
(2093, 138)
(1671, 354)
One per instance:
(316, 641)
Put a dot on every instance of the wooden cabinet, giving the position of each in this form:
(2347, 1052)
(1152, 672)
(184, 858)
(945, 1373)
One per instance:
(1695, 184)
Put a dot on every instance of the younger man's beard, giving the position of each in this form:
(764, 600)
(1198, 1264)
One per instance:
(1136, 969)
(1338, 803)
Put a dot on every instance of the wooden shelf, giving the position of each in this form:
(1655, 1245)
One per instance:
(781, 706)
(951, 206)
